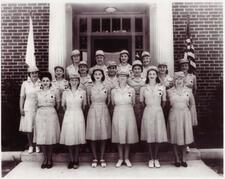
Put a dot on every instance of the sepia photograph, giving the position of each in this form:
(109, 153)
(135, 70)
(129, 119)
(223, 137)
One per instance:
(105, 89)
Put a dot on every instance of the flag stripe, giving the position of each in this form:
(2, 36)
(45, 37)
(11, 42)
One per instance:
(189, 51)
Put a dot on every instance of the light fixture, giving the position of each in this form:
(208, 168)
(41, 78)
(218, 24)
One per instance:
(110, 9)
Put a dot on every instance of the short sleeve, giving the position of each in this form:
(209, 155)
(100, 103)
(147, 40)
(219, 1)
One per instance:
(23, 89)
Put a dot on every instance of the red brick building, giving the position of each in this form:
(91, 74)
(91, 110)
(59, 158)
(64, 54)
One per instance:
(88, 26)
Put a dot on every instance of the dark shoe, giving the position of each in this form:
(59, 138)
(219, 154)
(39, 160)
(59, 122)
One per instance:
(49, 165)
(70, 165)
(177, 164)
(43, 165)
(184, 164)
(76, 165)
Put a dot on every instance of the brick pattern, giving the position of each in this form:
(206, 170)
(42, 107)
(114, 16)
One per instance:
(15, 28)
(206, 26)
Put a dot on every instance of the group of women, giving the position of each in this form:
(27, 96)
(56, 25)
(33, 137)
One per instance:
(125, 103)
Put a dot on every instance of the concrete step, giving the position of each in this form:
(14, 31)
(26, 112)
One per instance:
(195, 169)
(194, 154)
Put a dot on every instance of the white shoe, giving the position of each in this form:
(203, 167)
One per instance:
(151, 164)
(127, 161)
(119, 163)
(157, 164)
(188, 149)
(30, 150)
(37, 149)
(94, 163)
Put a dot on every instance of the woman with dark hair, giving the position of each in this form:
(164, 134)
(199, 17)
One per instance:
(47, 122)
(73, 127)
(180, 131)
(98, 119)
(164, 77)
(27, 105)
(124, 65)
(60, 84)
(153, 128)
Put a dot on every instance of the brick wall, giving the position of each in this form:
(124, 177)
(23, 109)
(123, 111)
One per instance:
(206, 25)
(14, 30)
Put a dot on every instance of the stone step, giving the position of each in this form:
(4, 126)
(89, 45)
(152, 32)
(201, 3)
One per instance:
(194, 154)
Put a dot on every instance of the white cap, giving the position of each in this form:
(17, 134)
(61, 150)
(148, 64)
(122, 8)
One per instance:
(136, 62)
(124, 52)
(162, 64)
(99, 53)
(82, 63)
(152, 67)
(145, 53)
(75, 52)
(111, 63)
(32, 69)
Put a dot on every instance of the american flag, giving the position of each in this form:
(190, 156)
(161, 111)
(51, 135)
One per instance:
(189, 51)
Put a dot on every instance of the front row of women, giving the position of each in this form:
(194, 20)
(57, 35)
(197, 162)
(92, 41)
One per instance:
(123, 129)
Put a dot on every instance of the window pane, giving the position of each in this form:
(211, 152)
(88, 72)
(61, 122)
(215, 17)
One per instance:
(83, 25)
(105, 25)
(139, 42)
(138, 25)
(126, 25)
(116, 25)
(83, 42)
(95, 25)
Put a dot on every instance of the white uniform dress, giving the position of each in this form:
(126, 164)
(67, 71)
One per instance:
(191, 82)
(60, 86)
(137, 83)
(126, 67)
(29, 90)
(124, 127)
(167, 81)
(85, 82)
(98, 119)
(73, 126)
(71, 70)
(47, 122)
(180, 124)
(153, 127)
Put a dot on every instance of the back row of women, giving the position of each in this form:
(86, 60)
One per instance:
(137, 98)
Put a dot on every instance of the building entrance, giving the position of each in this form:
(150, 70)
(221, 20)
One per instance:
(111, 46)
(112, 28)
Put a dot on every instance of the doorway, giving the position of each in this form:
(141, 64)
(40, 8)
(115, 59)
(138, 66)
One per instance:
(110, 44)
